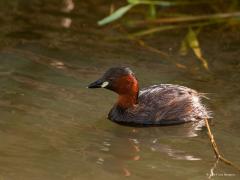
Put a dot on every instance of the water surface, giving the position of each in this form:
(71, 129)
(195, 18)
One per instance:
(52, 127)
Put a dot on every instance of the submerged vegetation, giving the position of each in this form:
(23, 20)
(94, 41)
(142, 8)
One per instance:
(147, 17)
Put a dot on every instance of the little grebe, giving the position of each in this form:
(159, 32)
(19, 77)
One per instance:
(163, 104)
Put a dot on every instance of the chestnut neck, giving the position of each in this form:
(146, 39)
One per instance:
(128, 92)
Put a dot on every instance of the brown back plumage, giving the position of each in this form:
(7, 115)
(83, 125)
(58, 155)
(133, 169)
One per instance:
(162, 105)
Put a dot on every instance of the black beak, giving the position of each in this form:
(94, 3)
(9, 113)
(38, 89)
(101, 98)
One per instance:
(96, 84)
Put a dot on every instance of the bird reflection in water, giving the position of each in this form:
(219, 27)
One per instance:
(134, 144)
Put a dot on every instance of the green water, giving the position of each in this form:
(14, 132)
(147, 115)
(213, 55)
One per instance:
(52, 127)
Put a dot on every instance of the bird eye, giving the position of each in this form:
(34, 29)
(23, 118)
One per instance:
(111, 79)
